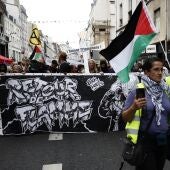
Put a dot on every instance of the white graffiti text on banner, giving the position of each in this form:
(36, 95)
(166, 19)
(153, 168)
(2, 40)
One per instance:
(94, 83)
(40, 102)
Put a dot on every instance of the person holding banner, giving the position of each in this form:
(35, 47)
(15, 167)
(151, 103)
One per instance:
(154, 107)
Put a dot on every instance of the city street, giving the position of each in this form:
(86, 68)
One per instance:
(83, 69)
(101, 151)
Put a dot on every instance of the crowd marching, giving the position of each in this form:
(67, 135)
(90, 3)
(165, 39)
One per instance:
(57, 66)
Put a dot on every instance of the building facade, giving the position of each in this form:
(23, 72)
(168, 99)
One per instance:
(12, 30)
(101, 26)
(159, 13)
(48, 47)
(3, 38)
(108, 19)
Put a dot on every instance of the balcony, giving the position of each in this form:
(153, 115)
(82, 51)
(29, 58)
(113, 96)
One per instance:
(3, 39)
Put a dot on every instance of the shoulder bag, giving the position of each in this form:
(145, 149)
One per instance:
(134, 153)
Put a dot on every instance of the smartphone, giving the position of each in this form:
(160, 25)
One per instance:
(140, 93)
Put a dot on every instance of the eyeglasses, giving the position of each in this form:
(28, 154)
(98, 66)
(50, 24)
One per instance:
(156, 69)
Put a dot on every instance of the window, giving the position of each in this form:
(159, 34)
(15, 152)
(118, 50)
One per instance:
(102, 29)
(112, 8)
(112, 2)
(121, 22)
(11, 17)
(157, 19)
(121, 11)
(121, 15)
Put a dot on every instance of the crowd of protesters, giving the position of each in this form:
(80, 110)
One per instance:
(63, 66)
(57, 66)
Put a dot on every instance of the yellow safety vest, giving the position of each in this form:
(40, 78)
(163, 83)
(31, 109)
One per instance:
(167, 79)
(132, 127)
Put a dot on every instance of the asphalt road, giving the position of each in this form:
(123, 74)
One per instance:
(100, 151)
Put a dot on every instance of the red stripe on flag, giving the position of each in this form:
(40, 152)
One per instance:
(143, 26)
(37, 50)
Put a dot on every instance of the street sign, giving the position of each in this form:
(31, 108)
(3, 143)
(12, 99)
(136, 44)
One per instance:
(151, 49)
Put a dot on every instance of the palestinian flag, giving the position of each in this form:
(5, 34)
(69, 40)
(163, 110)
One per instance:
(125, 49)
(37, 55)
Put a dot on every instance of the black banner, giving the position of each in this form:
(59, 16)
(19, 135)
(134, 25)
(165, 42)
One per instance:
(59, 103)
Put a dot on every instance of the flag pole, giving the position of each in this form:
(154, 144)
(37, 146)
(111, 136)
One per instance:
(164, 53)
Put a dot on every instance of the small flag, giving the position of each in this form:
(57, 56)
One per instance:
(37, 55)
(35, 36)
(125, 49)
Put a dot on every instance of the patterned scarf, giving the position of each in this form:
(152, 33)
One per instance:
(156, 90)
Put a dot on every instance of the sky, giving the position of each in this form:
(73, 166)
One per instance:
(70, 16)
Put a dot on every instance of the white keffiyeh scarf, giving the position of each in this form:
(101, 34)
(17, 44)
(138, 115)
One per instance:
(155, 90)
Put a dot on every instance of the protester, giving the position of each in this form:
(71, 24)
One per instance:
(110, 68)
(64, 66)
(155, 103)
(16, 68)
(54, 66)
(166, 68)
(73, 68)
(103, 66)
(25, 65)
(62, 58)
(80, 68)
(38, 67)
(137, 67)
(92, 66)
